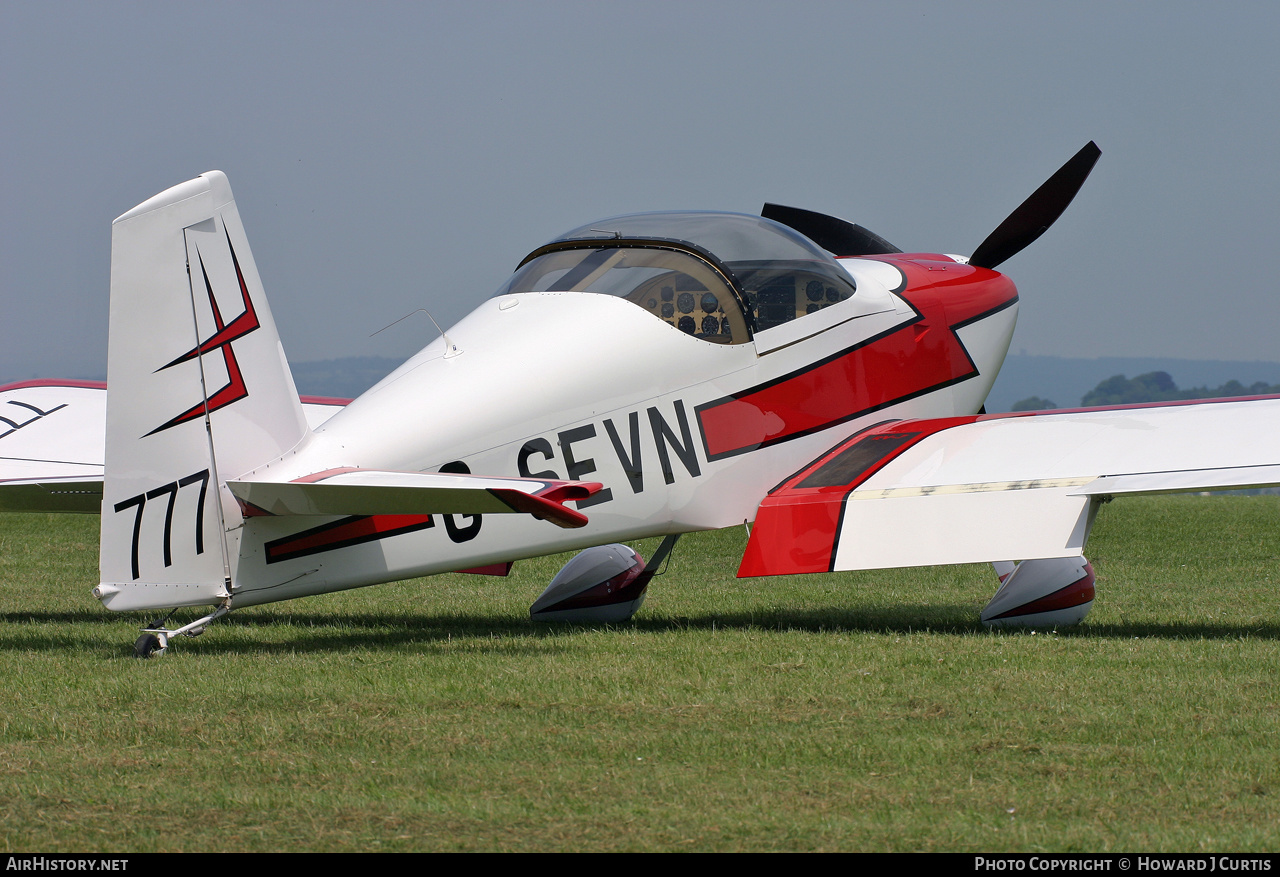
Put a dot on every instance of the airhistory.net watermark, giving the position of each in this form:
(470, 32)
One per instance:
(64, 863)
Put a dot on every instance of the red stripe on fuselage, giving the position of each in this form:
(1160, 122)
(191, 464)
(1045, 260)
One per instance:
(344, 533)
(920, 356)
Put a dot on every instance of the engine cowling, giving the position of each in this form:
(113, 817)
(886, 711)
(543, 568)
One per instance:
(1053, 592)
(602, 585)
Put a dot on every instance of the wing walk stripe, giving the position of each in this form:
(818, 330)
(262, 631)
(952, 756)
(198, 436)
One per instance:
(976, 487)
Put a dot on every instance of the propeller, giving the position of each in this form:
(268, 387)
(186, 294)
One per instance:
(1034, 216)
(834, 235)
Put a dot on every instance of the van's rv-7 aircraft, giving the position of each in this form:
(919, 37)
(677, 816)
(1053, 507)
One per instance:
(792, 370)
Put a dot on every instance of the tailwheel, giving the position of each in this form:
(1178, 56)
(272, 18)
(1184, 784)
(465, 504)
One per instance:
(147, 645)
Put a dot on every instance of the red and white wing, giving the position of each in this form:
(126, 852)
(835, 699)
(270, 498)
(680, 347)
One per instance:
(51, 442)
(1001, 487)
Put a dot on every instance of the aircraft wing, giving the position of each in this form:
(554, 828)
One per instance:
(53, 442)
(1002, 487)
(376, 492)
(51, 445)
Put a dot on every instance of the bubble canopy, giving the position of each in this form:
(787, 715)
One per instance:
(720, 277)
(730, 237)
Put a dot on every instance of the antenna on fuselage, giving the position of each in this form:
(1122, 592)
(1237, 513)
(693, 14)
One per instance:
(450, 349)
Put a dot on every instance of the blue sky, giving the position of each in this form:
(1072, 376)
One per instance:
(391, 156)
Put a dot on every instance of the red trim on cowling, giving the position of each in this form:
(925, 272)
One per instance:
(861, 380)
(916, 357)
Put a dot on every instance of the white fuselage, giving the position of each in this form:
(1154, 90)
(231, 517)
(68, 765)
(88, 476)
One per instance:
(584, 387)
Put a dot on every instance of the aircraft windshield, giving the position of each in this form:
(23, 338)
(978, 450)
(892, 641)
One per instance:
(674, 286)
(717, 276)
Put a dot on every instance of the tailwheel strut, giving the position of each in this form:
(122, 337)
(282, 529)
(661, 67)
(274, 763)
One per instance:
(155, 639)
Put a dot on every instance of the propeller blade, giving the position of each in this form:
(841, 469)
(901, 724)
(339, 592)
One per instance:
(1038, 212)
(833, 235)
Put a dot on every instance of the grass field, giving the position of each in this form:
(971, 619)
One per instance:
(861, 711)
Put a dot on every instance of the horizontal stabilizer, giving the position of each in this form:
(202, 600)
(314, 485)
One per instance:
(1002, 487)
(375, 492)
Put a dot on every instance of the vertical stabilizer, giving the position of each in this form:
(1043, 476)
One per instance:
(200, 392)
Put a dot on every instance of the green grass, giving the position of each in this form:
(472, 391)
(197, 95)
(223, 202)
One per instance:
(864, 711)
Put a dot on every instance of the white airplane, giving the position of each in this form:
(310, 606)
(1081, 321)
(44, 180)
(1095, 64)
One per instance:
(643, 375)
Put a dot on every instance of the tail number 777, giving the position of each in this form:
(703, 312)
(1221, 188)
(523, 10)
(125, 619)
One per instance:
(140, 502)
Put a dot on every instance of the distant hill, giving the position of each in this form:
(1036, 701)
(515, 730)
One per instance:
(1066, 380)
